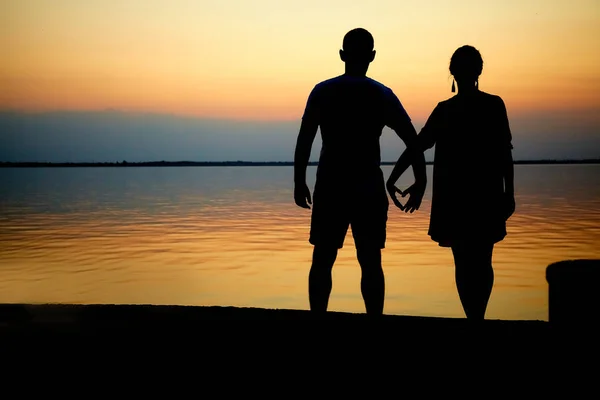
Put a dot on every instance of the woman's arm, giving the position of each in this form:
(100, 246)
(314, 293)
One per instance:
(507, 163)
(413, 155)
(509, 186)
(509, 173)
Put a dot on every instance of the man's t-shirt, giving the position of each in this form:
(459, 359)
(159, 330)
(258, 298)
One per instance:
(351, 113)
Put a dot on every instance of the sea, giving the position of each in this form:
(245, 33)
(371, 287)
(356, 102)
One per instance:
(232, 236)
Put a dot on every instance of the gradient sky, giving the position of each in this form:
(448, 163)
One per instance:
(105, 80)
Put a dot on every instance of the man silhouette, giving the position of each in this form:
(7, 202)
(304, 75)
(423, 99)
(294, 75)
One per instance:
(351, 111)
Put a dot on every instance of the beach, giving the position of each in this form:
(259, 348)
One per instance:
(235, 327)
(134, 349)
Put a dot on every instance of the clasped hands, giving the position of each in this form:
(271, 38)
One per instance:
(415, 192)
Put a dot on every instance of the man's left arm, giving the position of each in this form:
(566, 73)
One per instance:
(400, 122)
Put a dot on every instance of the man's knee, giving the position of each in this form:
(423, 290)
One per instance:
(369, 257)
(324, 256)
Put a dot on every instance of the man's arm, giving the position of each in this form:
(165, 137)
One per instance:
(397, 118)
(412, 155)
(306, 136)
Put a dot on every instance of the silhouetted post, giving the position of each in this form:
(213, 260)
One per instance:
(573, 296)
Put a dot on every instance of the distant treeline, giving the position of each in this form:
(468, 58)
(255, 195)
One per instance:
(233, 163)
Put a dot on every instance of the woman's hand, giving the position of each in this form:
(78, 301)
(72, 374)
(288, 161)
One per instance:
(416, 192)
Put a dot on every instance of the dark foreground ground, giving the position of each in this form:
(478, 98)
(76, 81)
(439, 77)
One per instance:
(216, 343)
(266, 325)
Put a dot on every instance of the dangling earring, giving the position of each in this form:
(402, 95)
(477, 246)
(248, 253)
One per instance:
(477, 83)
(453, 89)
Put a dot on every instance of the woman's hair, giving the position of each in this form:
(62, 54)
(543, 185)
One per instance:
(466, 62)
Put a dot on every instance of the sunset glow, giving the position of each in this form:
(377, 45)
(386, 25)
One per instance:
(259, 59)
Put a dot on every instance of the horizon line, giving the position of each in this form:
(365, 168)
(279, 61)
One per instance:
(249, 163)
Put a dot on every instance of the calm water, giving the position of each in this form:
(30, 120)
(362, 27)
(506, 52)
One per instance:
(232, 236)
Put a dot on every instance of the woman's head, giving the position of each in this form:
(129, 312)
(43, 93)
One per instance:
(466, 64)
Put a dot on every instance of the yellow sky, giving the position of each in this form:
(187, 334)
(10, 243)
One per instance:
(259, 59)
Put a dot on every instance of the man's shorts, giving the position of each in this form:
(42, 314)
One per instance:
(363, 210)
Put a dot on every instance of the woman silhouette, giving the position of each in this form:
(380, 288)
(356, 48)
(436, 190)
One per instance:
(473, 191)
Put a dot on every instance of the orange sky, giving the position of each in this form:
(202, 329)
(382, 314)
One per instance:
(259, 59)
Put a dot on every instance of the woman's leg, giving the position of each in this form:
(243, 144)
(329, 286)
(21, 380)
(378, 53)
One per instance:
(474, 277)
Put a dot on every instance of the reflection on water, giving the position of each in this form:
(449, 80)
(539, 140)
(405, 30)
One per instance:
(233, 236)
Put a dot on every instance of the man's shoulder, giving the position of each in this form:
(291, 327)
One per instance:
(328, 82)
(343, 79)
(379, 85)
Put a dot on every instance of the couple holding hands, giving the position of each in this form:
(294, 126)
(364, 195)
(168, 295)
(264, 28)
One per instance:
(472, 192)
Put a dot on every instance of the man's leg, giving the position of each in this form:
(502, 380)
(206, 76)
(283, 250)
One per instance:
(372, 283)
(319, 279)
(368, 223)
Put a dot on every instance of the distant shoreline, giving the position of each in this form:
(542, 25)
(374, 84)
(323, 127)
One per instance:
(232, 163)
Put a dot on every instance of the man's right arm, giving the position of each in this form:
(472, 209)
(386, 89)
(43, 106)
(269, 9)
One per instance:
(306, 137)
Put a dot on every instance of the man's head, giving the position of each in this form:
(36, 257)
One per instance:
(357, 47)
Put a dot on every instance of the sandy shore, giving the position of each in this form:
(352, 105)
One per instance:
(82, 319)
(225, 346)
(278, 352)
(268, 326)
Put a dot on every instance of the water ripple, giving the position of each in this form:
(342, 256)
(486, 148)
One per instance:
(207, 236)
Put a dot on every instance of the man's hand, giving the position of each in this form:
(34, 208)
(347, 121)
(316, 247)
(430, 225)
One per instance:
(302, 195)
(416, 192)
(392, 190)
